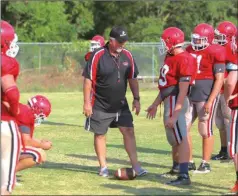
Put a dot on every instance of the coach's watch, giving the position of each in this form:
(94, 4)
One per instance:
(137, 98)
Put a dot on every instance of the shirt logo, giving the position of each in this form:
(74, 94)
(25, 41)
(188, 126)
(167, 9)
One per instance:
(125, 63)
(122, 34)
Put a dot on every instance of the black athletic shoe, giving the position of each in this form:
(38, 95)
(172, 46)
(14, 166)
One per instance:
(191, 166)
(183, 179)
(171, 173)
(221, 156)
(203, 168)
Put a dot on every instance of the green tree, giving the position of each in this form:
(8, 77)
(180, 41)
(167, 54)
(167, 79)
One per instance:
(41, 21)
(80, 14)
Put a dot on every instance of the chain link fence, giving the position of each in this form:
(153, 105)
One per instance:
(42, 57)
(58, 66)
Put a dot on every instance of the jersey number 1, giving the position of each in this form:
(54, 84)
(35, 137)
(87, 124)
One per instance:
(198, 58)
(164, 70)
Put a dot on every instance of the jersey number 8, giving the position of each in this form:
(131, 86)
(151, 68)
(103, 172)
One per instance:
(164, 70)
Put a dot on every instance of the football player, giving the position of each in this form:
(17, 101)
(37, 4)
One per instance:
(96, 42)
(224, 35)
(32, 114)
(176, 75)
(204, 94)
(231, 97)
(10, 138)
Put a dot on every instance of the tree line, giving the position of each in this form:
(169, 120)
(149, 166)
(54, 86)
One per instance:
(69, 21)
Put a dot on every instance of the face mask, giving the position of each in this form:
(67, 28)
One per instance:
(118, 50)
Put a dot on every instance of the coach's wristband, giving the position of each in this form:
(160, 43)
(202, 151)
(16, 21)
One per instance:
(137, 98)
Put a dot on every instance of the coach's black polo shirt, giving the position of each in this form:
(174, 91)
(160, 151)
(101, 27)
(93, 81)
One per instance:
(109, 78)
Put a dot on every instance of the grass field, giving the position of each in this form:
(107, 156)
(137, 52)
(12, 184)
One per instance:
(72, 166)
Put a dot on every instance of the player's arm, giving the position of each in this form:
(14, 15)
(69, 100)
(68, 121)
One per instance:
(11, 91)
(152, 109)
(134, 86)
(183, 91)
(87, 87)
(36, 143)
(231, 81)
(219, 70)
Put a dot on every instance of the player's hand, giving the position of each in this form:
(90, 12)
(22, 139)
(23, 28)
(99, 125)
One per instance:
(87, 109)
(136, 107)
(46, 145)
(170, 122)
(151, 111)
(207, 107)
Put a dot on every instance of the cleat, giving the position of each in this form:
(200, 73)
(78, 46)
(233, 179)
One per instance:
(183, 179)
(171, 173)
(191, 166)
(234, 190)
(141, 172)
(203, 168)
(103, 172)
(220, 156)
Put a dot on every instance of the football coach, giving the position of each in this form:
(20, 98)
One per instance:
(106, 75)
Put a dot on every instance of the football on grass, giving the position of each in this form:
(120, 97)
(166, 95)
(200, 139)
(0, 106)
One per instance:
(125, 174)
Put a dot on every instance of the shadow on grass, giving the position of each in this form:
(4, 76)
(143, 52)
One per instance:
(116, 161)
(148, 150)
(70, 167)
(193, 189)
(160, 189)
(60, 124)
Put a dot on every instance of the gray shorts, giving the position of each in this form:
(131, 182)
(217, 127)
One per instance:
(205, 121)
(175, 135)
(223, 114)
(100, 121)
(233, 134)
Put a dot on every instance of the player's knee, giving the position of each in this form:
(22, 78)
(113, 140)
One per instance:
(204, 135)
(127, 131)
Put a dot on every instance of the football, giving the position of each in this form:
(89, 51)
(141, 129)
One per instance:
(125, 174)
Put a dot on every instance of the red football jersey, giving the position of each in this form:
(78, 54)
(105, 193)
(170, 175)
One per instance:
(8, 66)
(234, 102)
(87, 56)
(5, 115)
(233, 66)
(175, 67)
(231, 57)
(26, 117)
(206, 59)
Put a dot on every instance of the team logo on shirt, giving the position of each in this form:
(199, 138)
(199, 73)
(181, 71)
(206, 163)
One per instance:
(125, 63)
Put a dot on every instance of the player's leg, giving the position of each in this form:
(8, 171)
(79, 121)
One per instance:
(30, 157)
(126, 127)
(205, 128)
(191, 116)
(222, 123)
(233, 145)
(180, 134)
(10, 149)
(98, 123)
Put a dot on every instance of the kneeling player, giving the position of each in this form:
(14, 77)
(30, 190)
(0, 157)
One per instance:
(175, 77)
(31, 115)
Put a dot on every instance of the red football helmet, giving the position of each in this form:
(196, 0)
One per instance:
(171, 38)
(8, 40)
(225, 32)
(202, 36)
(234, 42)
(96, 42)
(41, 108)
